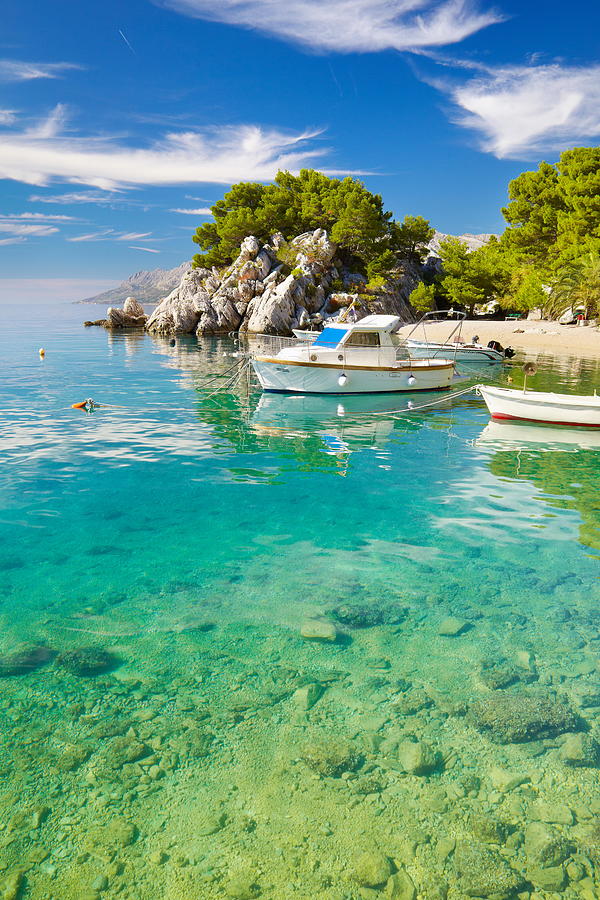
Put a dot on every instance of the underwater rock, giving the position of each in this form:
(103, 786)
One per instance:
(210, 824)
(453, 627)
(372, 868)
(367, 615)
(418, 758)
(306, 697)
(514, 718)
(242, 886)
(12, 884)
(126, 749)
(87, 661)
(25, 659)
(412, 701)
(499, 673)
(580, 750)
(554, 813)
(318, 630)
(400, 886)
(484, 873)
(545, 846)
(551, 879)
(505, 781)
(488, 830)
(331, 757)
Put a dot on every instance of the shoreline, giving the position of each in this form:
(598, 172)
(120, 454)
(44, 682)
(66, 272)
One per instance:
(522, 334)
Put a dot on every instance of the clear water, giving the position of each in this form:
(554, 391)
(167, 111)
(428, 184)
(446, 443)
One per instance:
(191, 535)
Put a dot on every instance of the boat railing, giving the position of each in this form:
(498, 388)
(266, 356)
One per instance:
(270, 344)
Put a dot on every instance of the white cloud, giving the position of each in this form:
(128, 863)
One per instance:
(519, 112)
(133, 236)
(27, 230)
(16, 70)
(7, 116)
(104, 235)
(12, 240)
(147, 249)
(203, 211)
(5, 217)
(347, 26)
(101, 199)
(219, 155)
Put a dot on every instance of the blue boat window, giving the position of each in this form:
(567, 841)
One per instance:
(329, 337)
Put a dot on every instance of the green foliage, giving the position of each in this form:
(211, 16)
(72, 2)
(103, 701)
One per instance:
(526, 290)
(473, 278)
(368, 238)
(422, 299)
(354, 217)
(554, 213)
(412, 237)
(577, 286)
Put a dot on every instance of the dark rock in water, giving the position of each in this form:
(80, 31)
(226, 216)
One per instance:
(102, 322)
(484, 873)
(88, 661)
(581, 750)
(25, 660)
(499, 673)
(412, 702)
(545, 846)
(366, 615)
(331, 757)
(514, 718)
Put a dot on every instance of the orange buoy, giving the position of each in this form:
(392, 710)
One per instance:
(79, 405)
(42, 352)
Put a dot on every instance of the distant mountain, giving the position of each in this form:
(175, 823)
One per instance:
(146, 286)
(473, 241)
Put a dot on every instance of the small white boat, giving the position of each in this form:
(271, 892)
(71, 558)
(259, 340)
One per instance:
(472, 352)
(537, 406)
(305, 335)
(453, 347)
(363, 357)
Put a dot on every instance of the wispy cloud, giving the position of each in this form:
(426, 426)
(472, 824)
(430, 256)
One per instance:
(110, 234)
(95, 197)
(347, 26)
(12, 240)
(133, 236)
(30, 216)
(146, 249)
(92, 236)
(7, 116)
(219, 155)
(16, 229)
(203, 211)
(17, 70)
(519, 112)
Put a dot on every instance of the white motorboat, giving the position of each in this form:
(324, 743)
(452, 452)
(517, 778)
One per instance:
(472, 352)
(537, 406)
(305, 335)
(453, 347)
(358, 358)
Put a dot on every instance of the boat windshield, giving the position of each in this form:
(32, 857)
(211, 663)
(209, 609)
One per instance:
(330, 337)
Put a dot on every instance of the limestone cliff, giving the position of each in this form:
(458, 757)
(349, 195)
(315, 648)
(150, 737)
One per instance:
(275, 287)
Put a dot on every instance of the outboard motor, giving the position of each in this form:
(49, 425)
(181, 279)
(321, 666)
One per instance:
(508, 351)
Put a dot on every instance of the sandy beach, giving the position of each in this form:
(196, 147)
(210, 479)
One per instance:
(523, 335)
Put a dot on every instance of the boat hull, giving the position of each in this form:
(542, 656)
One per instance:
(544, 408)
(284, 376)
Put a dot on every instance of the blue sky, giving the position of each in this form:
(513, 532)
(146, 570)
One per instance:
(118, 119)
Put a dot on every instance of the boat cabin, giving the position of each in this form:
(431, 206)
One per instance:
(372, 331)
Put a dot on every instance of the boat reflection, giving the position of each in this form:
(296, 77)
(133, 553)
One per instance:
(561, 462)
(521, 436)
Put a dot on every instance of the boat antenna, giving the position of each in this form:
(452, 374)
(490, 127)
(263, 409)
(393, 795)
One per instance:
(528, 369)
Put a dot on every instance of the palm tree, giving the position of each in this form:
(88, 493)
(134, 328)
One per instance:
(577, 287)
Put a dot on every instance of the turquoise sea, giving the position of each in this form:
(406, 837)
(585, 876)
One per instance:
(171, 725)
